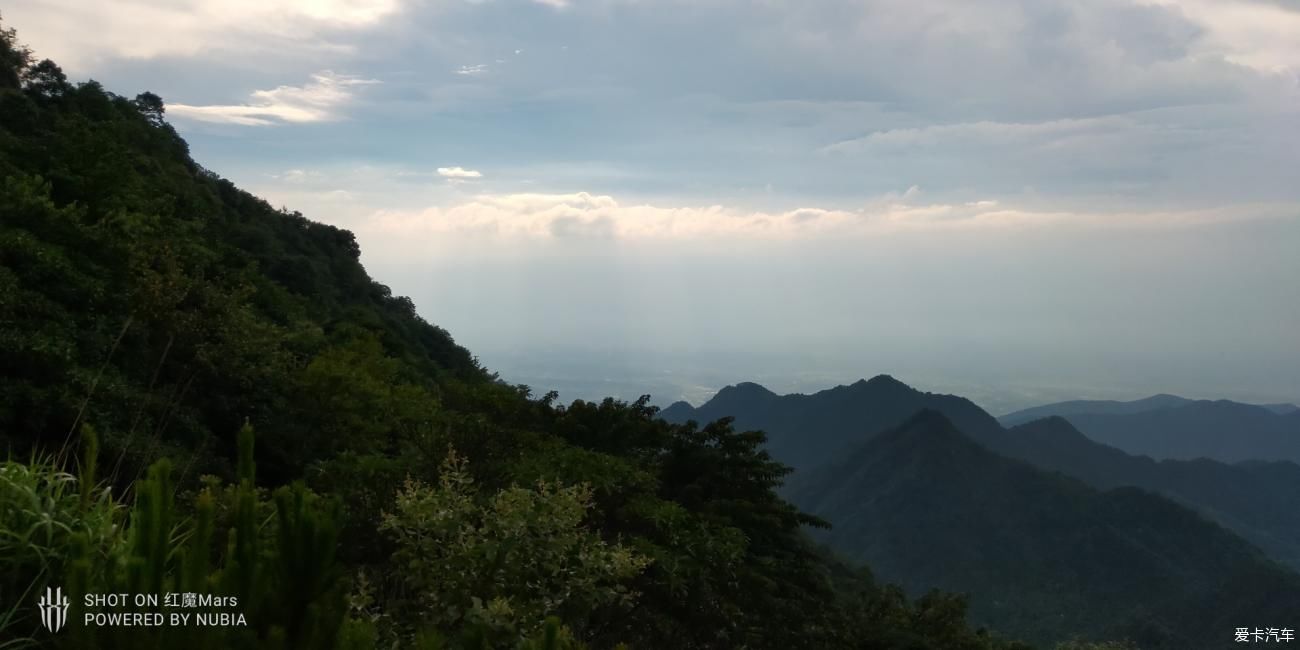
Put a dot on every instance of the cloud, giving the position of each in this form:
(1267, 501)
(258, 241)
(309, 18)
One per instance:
(983, 132)
(317, 101)
(79, 34)
(459, 174)
(583, 215)
(1258, 35)
(1136, 103)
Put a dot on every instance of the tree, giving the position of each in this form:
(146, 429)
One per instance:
(502, 566)
(151, 107)
(45, 79)
(14, 58)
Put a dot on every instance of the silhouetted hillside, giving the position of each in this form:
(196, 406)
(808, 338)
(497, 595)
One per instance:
(809, 430)
(1075, 407)
(1220, 430)
(1260, 501)
(1039, 553)
(1112, 407)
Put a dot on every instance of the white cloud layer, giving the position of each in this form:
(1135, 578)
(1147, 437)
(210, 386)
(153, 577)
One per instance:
(458, 173)
(583, 215)
(78, 34)
(316, 101)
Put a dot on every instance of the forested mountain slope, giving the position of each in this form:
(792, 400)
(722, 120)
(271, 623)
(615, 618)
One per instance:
(144, 298)
(1258, 500)
(926, 506)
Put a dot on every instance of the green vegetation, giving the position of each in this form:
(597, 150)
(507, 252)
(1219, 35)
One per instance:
(506, 564)
(147, 297)
(1043, 556)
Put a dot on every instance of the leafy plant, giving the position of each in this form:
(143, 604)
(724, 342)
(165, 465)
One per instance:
(504, 564)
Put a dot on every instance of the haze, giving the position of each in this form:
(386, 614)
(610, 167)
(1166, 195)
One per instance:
(1016, 201)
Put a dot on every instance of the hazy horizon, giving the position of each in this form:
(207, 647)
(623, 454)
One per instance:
(579, 373)
(664, 197)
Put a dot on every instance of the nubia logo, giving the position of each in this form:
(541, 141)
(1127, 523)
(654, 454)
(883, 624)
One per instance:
(54, 609)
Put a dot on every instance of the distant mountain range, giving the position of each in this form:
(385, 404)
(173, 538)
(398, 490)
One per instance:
(925, 506)
(1113, 407)
(1166, 426)
(859, 478)
(810, 430)
(1258, 500)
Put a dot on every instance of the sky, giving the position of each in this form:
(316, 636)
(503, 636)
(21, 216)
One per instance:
(1014, 200)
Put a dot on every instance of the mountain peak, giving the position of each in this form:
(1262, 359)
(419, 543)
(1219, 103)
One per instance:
(678, 412)
(743, 390)
(883, 381)
(927, 426)
(883, 385)
(738, 397)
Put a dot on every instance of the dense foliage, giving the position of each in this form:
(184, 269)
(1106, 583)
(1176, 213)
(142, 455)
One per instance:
(505, 564)
(148, 297)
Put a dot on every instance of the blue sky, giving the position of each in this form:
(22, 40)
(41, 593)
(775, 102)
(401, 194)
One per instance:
(1016, 199)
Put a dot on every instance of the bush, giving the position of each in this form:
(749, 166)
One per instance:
(501, 567)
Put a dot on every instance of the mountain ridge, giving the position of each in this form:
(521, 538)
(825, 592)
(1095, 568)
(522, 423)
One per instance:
(927, 506)
(1219, 430)
(1260, 501)
(1152, 403)
(870, 405)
